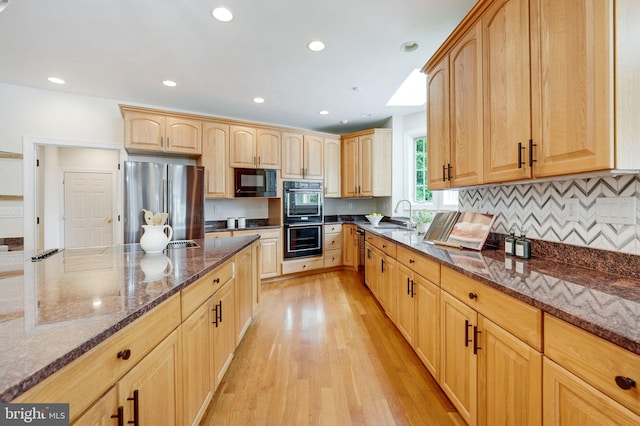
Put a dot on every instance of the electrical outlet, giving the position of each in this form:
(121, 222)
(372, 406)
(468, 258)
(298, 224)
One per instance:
(570, 211)
(216, 208)
(350, 206)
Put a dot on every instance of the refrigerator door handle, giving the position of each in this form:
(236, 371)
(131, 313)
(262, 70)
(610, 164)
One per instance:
(163, 201)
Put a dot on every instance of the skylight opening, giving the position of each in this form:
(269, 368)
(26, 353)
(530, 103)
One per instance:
(412, 91)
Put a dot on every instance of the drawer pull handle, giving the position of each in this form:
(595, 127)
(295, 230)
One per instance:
(412, 261)
(136, 409)
(125, 354)
(466, 333)
(473, 296)
(119, 416)
(625, 383)
(216, 280)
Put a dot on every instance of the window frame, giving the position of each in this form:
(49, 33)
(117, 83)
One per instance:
(437, 202)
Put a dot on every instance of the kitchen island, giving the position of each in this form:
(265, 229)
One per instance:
(61, 307)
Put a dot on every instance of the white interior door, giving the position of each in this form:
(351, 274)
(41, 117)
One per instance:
(88, 209)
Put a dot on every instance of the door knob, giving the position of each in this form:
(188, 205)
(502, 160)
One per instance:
(109, 219)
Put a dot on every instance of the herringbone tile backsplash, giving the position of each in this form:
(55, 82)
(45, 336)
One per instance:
(538, 209)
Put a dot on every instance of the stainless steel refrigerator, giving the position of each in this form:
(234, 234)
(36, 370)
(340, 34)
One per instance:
(176, 189)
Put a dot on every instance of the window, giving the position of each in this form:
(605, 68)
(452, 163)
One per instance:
(421, 192)
(417, 178)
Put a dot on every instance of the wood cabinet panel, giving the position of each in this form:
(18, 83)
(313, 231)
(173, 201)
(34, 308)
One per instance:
(156, 382)
(466, 109)
(100, 412)
(268, 146)
(224, 336)
(406, 318)
(594, 360)
(426, 341)
(215, 159)
(242, 146)
(507, 83)
(419, 263)
(458, 364)
(197, 293)
(572, 101)
(148, 132)
(197, 366)
(350, 167)
(570, 401)
(313, 157)
(438, 125)
(183, 136)
(244, 289)
(332, 171)
(292, 155)
(509, 378)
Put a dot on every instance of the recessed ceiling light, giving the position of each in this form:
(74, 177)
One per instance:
(316, 46)
(222, 14)
(409, 46)
(56, 80)
(365, 114)
(324, 112)
(3, 4)
(344, 121)
(258, 100)
(169, 83)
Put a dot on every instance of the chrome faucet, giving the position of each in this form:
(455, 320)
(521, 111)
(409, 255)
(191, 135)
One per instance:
(410, 223)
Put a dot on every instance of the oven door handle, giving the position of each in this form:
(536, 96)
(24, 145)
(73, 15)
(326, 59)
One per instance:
(304, 225)
(313, 191)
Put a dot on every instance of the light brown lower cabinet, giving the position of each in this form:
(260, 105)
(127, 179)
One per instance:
(426, 337)
(569, 400)
(105, 411)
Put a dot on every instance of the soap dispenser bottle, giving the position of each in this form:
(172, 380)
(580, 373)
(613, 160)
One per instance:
(510, 243)
(523, 247)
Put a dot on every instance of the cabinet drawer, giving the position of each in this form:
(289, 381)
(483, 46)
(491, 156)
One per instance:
(387, 246)
(333, 241)
(371, 238)
(331, 229)
(197, 293)
(264, 233)
(595, 360)
(519, 318)
(219, 234)
(293, 266)
(86, 378)
(332, 258)
(427, 268)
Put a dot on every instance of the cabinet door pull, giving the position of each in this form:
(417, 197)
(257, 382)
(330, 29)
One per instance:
(167, 141)
(473, 296)
(408, 280)
(531, 145)
(466, 332)
(136, 409)
(216, 280)
(215, 315)
(382, 264)
(412, 261)
(220, 311)
(368, 253)
(444, 173)
(520, 149)
(124, 354)
(625, 383)
(119, 416)
(475, 340)
(449, 167)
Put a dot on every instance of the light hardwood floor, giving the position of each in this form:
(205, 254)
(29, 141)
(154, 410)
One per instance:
(321, 352)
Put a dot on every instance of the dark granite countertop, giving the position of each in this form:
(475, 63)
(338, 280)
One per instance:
(59, 308)
(605, 304)
(221, 225)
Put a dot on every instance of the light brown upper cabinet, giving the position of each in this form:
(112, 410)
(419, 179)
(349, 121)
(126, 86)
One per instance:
(454, 121)
(254, 148)
(215, 159)
(507, 95)
(559, 85)
(302, 156)
(366, 163)
(332, 155)
(146, 132)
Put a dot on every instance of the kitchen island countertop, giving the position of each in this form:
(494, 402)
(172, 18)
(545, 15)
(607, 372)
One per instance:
(605, 304)
(55, 310)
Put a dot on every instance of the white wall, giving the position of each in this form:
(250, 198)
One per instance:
(28, 112)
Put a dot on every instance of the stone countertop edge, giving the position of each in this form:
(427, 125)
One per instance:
(577, 320)
(12, 391)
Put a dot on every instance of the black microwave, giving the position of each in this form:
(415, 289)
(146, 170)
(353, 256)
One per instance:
(255, 182)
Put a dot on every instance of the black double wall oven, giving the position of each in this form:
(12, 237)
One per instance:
(303, 219)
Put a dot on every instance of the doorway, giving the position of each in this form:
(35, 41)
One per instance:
(45, 163)
(88, 208)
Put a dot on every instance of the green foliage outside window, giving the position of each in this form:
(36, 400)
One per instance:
(422, 193)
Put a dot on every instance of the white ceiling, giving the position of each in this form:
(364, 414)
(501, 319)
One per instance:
(124, 49)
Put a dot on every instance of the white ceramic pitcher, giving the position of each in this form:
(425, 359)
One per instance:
(154, 240)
